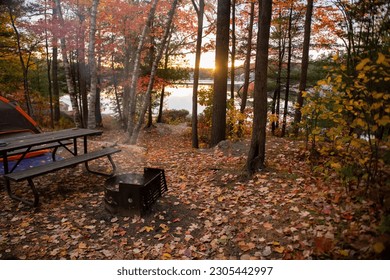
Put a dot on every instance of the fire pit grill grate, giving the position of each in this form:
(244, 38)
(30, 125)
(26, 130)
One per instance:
(134, 194)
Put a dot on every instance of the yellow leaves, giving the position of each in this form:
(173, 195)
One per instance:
(279, 249)
(362, 63)
(338, 79)
(322, 83)
(382, 59)
(166, 256)
(146, 228)
(378, 247)
(360, 122)
(376, 105)
(344, 253)
(164, 227)
(335, 165)
(385, 120)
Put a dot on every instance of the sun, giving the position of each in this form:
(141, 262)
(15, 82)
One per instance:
(207, 60)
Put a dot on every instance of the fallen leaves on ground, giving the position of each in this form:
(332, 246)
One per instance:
(211, 210)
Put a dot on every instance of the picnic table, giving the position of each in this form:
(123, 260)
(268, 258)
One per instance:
(67, 139)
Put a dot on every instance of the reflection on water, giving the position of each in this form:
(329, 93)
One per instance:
(180, 98)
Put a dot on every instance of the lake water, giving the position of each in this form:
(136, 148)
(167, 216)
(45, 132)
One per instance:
(179, 98)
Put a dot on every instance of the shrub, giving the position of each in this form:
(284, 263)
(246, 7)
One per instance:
(346, 119)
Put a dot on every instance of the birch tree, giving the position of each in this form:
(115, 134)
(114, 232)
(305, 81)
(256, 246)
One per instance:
(132, 99)
(68, 74)
(92, 67)
(153, 73)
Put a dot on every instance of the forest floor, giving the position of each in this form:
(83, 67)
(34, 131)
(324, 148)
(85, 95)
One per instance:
(211, 210)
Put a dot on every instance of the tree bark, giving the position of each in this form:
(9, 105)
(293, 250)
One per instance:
(200, 13)
(68, 72)
(166, 60)
(24, 65)
(304, 67)
(276, 98)
(256, 156)
(48, 65)
(218, 130)
(54, 71)
(289, 55)
(82, 69)
(248, 59)
(233, 56)
(131, 116)
(153, 73)
(92, 67)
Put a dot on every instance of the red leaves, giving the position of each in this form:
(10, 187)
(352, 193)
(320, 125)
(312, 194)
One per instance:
(323, 245)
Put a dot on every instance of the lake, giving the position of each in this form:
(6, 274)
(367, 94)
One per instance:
(180, 97)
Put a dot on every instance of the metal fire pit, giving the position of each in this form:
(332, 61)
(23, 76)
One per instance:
(133, 194)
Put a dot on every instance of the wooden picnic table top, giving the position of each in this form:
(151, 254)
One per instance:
(19, 142)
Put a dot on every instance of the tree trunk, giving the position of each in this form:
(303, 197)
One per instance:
(218, 130)
(151, 59)
(24, 65)
(200, 13)
(98, 109)
(233, 56)
(115, 83)
(82, 70)
(92, 68)
(153, 73)
(131, 120)
(287, 93)
(276, 98)
(247, 68)
(248, 59)
(48, 65)
(68, 74)
(126, 87)
(304, 67)
(166, 60)
(256, 156)
(56, 88)
(54, 71)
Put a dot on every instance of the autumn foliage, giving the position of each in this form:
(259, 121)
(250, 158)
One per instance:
(347, 122)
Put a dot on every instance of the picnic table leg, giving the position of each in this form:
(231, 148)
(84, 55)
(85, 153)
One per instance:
(101, 173)
(33, 203)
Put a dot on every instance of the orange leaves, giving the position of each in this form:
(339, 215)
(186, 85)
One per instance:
(267, 226)
(246, 246)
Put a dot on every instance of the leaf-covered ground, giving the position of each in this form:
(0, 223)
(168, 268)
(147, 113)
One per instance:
(211, 210)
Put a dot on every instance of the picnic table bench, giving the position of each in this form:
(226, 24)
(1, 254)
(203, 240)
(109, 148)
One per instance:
(56, 139)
